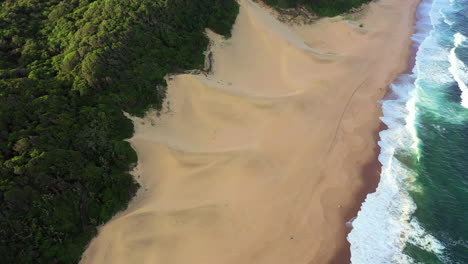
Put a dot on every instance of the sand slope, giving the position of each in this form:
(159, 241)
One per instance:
(262, 160)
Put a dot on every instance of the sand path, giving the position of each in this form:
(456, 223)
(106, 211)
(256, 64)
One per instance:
(262, 160)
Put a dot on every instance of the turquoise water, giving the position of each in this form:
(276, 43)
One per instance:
(419, 213)
(442, 128)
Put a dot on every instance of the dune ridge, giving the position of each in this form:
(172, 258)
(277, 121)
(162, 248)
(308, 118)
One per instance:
(261, 160)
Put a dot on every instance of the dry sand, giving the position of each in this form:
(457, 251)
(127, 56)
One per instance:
(262, 161)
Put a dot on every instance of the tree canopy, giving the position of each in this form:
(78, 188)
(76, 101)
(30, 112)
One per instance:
(67, 70)
(320, 7)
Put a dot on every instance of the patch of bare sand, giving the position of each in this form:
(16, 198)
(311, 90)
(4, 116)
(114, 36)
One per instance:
(261, 161)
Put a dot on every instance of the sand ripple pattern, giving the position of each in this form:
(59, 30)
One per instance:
(260, 161)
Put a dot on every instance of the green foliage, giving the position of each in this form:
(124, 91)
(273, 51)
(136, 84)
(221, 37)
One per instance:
(68, 70)
(320, 7)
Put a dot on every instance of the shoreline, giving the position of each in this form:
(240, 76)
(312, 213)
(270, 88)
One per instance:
(270, 153)
(372, 170)
(411, 62)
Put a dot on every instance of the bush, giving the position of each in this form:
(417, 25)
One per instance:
(67, 70)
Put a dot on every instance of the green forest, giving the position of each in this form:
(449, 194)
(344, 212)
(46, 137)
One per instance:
(68, 70)
(319, 7)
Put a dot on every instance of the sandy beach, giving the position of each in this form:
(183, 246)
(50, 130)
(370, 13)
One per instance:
(265, 159)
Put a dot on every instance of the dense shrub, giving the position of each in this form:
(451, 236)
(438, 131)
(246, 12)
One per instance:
(320, 7)
(67, 70)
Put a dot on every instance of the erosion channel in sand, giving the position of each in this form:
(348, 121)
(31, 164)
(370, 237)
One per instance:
(262, 160)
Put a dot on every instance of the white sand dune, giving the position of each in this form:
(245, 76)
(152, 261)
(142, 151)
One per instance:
(262, 160)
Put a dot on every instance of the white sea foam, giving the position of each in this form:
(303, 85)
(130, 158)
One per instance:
(458, 69)
(447, 20)
(384, 225)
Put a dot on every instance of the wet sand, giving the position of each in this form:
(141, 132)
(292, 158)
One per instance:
(265, 159)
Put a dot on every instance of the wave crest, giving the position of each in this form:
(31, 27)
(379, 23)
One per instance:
(458, 69)
(384, 224)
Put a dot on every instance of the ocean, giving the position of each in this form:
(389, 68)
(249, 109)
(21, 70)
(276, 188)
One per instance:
(419, 212)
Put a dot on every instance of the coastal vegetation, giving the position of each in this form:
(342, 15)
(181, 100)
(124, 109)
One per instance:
(319, 7)
(68, 72)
